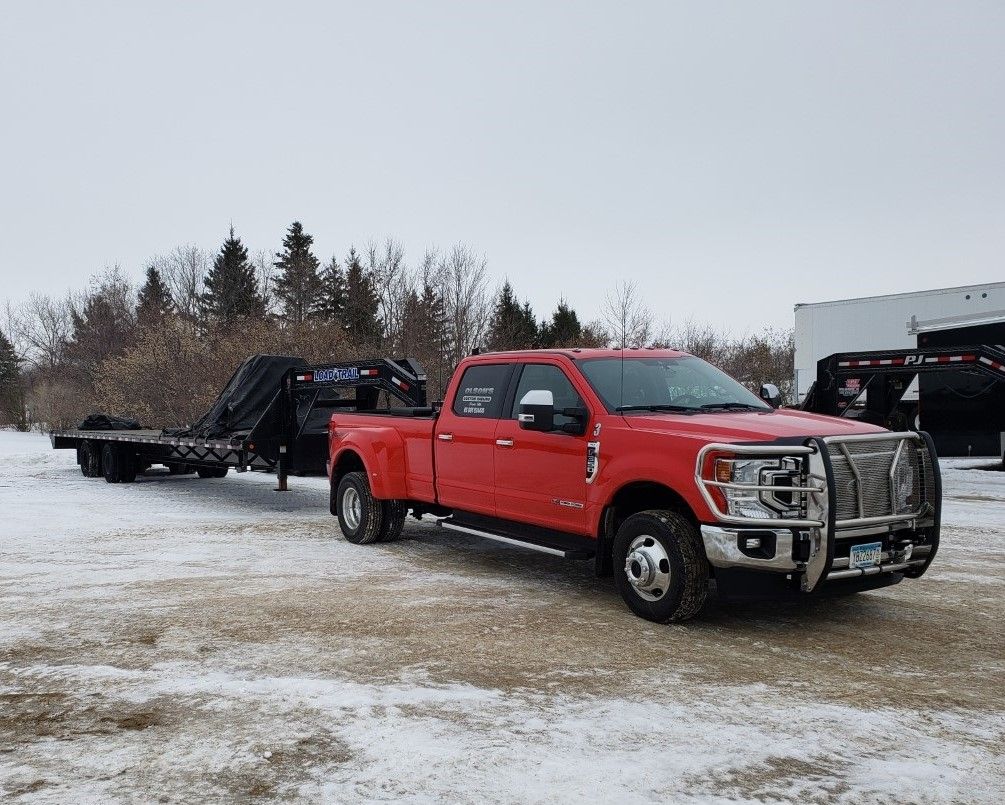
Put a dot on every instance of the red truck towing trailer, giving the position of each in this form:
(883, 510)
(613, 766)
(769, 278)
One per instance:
(656, 465)
(660, 468)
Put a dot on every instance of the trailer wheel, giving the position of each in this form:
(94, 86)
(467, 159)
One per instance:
(89, 457)
(360, 516)
(118, 465)
(660, 567)
(110, 464)
(394, 515)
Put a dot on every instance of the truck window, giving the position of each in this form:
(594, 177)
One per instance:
(550, 378)
(686, 382)
(481, 390)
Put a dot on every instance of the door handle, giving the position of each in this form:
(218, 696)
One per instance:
(445, 437)
(504, 442)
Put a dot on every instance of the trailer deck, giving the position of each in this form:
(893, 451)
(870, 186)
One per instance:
(290, 431)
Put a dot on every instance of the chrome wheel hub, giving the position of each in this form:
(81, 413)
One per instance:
(352, 508)
(647, 567)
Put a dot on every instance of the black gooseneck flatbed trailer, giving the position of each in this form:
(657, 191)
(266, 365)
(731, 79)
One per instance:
(289, 435)
(884, 376)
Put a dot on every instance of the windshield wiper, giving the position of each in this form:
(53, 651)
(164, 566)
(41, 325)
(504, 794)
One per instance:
(679, 409)
(731, 406)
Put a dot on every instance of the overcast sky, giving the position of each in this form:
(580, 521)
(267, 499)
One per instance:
(732, 158)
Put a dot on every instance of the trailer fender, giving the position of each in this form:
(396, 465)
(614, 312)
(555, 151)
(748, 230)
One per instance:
(380, 452)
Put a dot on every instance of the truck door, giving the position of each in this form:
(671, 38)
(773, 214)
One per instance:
(464, 443)
(540, 478)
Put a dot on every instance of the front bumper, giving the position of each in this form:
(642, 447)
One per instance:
(784, 552)
(816, 547)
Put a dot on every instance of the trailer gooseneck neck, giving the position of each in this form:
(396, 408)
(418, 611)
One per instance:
(303, 393)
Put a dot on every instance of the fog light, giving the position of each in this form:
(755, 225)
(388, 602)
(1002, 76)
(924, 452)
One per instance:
(752, 543)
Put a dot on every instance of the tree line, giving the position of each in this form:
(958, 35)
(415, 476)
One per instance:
(162, 351)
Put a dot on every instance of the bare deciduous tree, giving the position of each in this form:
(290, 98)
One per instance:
(265, 273)
(462, 277)
(44, 325)
(392, 282)
(184, 271)
(626, 318)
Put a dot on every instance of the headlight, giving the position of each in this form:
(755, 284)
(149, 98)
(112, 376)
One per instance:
(756, 502)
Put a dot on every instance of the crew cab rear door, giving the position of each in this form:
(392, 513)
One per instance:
(464, 440)
(540, 478)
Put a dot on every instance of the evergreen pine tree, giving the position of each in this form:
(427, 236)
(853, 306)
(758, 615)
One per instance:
(424, 323)
(231, 286)
(11, 389)
(331, 304)
(531, 334)
(360, 320)
(512, 326)
(154, 301)
(299, 281)
(564, 329)
(103, 325)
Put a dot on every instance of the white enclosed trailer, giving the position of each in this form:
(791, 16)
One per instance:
(885, 322)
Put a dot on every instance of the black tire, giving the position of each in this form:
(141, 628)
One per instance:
(678, 544)
(395, 512)
(110, 465)
(128, 466)
(363, 522)
(89, 457)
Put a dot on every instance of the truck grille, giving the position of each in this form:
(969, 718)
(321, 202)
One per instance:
(868, 485)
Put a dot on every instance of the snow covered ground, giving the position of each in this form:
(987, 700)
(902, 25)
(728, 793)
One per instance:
(185, 640)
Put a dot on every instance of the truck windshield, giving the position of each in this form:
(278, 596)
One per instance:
(683, 385)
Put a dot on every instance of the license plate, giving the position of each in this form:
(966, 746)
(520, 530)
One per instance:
(865, 555)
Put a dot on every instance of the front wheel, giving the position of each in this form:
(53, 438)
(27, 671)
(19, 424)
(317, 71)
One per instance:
(659, 566)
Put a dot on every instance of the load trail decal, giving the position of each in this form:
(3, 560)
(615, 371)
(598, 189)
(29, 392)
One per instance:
(338, 375)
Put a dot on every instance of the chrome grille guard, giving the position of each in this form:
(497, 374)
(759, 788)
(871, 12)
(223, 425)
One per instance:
(815, 479)
(818, 512)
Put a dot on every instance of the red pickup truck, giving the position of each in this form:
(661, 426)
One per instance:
(663, 470)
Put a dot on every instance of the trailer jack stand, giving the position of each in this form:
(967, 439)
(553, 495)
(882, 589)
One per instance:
(282, 470)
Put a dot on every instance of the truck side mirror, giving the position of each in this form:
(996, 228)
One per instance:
(537, 410)
(771, 395)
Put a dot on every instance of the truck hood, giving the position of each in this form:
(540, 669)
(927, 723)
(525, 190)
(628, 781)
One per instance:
(748, 426)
